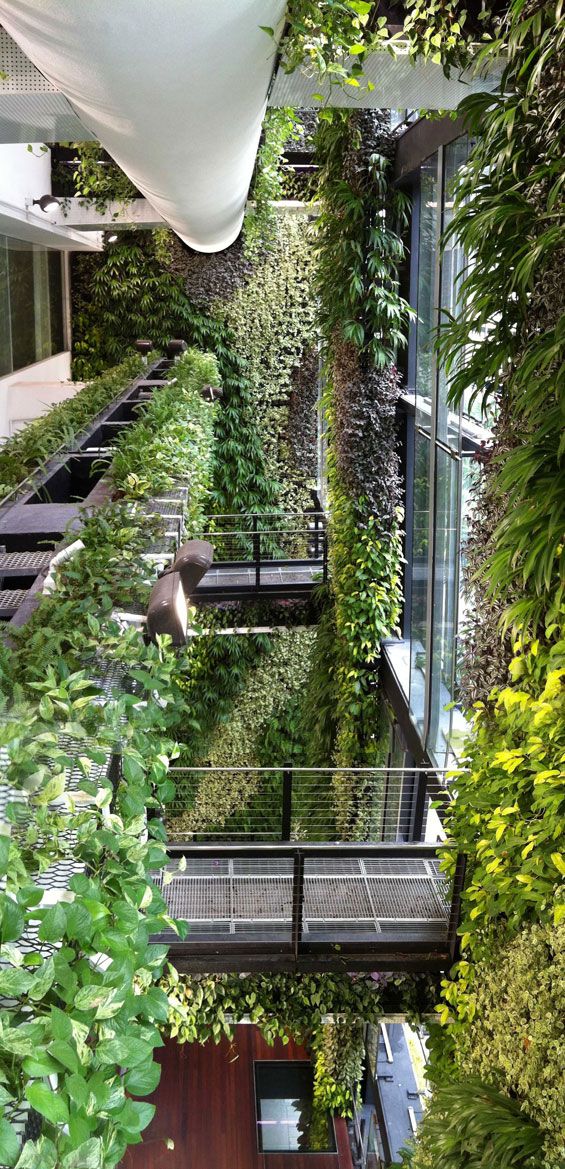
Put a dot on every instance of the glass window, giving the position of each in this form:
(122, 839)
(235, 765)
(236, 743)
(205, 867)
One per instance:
(444, 609)
(5, 331)
(442, 477)
(427, 292)
(22, 303)
(286, 1120)
(420, 579)
(31, 304)
(55, 261)
(448, 429)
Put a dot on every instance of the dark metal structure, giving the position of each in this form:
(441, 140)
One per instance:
(310, 907)
(269, 555)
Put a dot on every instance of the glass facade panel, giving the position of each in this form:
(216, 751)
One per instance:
(448, 428)
(444, 608)
(441, 471)
(285, 1110)
(5, 331)
(420, 579)
(22, 303)
(427, 291)
(31, 304)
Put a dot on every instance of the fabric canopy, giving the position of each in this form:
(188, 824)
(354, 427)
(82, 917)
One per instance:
(175, 90)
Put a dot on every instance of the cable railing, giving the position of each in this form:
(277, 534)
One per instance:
(300, 803)
(266, 549)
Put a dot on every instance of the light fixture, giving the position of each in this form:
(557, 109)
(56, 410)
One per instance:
(175, 347)
(211, 393)
(111, 239)
(47, 203)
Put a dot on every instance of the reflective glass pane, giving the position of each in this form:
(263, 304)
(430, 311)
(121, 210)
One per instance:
(56, 302)
(22, 302)
(452, 266)
(420, 576)
(41, 305)
(286, 1119)
(444, 620)
(5, 333)
(427, 314)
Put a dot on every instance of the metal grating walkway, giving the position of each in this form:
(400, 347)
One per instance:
(10, 601)
(230, 895)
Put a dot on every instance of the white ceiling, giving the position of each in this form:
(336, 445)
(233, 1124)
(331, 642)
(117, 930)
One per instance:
(399, 85)
(175, 90)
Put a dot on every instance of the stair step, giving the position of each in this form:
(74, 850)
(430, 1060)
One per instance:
(10, 601)
(23, 563)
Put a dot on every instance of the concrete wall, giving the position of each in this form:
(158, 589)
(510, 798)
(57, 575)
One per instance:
(23, 174)
(28, 393)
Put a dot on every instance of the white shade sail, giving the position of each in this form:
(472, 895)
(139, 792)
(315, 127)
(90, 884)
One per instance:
(175, 90)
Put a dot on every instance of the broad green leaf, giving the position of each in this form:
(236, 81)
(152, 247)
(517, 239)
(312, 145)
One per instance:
(48, 1102)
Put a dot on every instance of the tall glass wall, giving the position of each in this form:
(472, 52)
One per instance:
(442, 471)
(31, 304)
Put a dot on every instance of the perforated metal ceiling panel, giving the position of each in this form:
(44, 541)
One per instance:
(399, 85)
(31, 109)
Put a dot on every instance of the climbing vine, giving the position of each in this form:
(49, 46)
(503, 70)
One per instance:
(363, 321)
(322, 1010)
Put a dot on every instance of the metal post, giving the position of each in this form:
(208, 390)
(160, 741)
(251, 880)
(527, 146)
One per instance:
(325, 554)
(286, 804)
(257, 553)
(316, 536)
(297, 901)
(455, 911)
(419, 790)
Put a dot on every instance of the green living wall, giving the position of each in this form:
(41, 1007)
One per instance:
(254, 306)
(502, 1013)
(363, 319)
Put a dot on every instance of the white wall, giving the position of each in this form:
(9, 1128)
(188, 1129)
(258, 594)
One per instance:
(24, 175)
(27, 393)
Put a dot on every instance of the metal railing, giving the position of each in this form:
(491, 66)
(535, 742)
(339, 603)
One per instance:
(265, 550)
(299, 803)
(375, 906)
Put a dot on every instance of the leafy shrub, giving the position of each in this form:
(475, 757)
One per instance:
(174, 438)
(27, 450)
(509, 1027)
(472, 1126)
(508, 815)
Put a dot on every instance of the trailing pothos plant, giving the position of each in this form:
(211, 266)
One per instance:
(332, 38)
(84, 760)
(324, 1011)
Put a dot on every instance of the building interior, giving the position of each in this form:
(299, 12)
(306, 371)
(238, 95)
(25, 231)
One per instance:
(282, 585)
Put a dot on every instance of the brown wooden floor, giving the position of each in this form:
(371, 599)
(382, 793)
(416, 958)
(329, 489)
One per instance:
(206, 1105)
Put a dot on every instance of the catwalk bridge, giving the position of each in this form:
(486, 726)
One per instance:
(273, 887)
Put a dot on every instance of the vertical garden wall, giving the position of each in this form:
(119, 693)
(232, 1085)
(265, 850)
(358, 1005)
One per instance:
(363, 319)
(507, 348)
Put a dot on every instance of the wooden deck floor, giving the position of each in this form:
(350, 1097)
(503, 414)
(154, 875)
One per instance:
(206, 1105)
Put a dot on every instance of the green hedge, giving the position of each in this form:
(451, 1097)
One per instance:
(27, 450)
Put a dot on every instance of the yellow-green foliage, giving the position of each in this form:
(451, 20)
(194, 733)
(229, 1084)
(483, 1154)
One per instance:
(277, 679)
(515, 1008)
(272, 324)
(509, 814)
